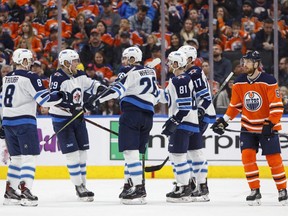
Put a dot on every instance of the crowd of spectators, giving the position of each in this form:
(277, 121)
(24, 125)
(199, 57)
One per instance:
(99, 30)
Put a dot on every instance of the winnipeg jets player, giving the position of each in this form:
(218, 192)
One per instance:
(183, 122)
(138, 94)
(22, 89)
(73, 139)
(206, 115)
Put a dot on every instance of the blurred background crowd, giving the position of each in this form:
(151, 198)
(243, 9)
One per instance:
(100, 30)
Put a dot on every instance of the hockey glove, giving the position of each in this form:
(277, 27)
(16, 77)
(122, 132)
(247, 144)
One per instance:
(67, 100)
(2, 133)
(219, 126)
(267, 129)
(170, 126)
(92, 103)
(201, 113)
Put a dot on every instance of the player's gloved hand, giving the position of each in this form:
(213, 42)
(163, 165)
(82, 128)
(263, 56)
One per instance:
(92, 103)
(201, 113)
(67, 100)
(170, 126)
(2, 133)
(267, 129)
(219, 125)
(76, 109)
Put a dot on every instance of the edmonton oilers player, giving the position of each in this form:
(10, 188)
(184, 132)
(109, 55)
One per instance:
(73, 139)
(256, 95)
(22, 89)
(138, 93)
(206, 115)
(183, 122)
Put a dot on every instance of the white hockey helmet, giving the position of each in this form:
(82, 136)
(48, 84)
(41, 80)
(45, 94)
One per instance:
(134, 52)
(20, 54)
(179, 57)
(67, 55)
(190, 51)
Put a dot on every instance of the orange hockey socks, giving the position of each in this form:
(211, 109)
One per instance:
(251, 168)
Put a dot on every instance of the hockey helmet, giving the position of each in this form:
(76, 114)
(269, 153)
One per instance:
(179, 57)
(253, 55)
(190, 51)
(67, 55)
(20, 54)
(134, 52)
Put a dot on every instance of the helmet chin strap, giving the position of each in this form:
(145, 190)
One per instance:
(69, 68)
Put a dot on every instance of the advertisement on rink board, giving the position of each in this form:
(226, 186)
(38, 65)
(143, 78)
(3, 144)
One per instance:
(219, 150)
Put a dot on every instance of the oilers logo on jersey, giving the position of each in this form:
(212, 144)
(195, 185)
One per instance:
(252, 101)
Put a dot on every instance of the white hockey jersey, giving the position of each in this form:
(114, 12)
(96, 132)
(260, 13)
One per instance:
(21, 90)
(76, 85)
(137, 89)
(203, 93)
(180, 95)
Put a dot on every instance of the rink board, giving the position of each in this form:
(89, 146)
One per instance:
(104, 160)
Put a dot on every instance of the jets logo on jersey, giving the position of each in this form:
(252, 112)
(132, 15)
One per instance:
(180, 77)
(76, 95)
(252, 101)
(192, 71)
(57, 74)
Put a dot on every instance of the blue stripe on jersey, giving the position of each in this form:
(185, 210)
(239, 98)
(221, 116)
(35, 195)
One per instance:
(189, 127)
(139, 103)
(90, 89)
(16, 122)
(185, 107)
(202, 92)
(38, 94)
(182, 100)
(45, 99)
(121, 86)
(209, 119)
(56, 119)
(117, 90)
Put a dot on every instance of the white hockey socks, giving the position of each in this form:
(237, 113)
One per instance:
(28, 170)
(73, 164)
(199, 165)
(181, 168)
(83, 159)
(134, 166)
(14, 171)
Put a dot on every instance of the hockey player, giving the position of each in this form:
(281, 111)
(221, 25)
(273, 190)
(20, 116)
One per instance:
(256, 95)
(21, 90)
(138, 92)
(206, 115)
(183, 122)
(73, 139)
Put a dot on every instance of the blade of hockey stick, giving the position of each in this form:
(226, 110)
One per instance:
(156, 167)
(154, 62)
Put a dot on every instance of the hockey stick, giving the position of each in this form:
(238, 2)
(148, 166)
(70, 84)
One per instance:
(61, 129)
(158, 167)
(102, 127)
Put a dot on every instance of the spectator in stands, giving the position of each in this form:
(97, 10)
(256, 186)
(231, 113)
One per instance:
(110, 107)
(283, 72)
(223, 18)
(155, 53)
(284, 94)
(9, 24)
(103, 70)
(141, 23)
(92, 46)
(89, 8)
(50, 47)
(176, 43)
(203, 50)
(213, 85)
(125, 42)
(188, 32)
(111, 19)
(223, 99)
(249, 21)
(131, 8)
(81, 26)
(264, 43)
(69, 10)
(33, 42)
(6, 41)
(105, 37)
(167, 35)
(16, 13)
(222, 66)
(147, 48)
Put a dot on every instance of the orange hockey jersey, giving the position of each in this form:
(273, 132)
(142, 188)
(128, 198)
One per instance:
(257, 100)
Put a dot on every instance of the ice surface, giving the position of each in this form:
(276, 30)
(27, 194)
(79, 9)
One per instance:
(58, 198)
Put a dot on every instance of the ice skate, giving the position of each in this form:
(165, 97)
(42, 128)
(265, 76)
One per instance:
(27, 198)
(11, 197)
(180, 194)
(126, 188)
(135, 196)
(283, 198)
(254, 199)
(84, 194)
(204, 193)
